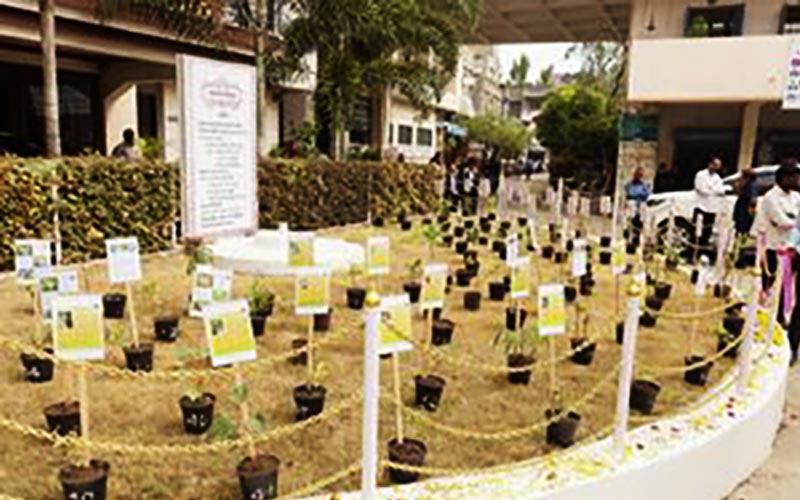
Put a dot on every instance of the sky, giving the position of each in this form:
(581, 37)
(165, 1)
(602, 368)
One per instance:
(541, 55)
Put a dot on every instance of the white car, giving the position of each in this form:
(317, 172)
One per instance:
(682, 203)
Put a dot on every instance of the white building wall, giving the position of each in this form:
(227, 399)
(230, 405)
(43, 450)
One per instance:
(120, 114)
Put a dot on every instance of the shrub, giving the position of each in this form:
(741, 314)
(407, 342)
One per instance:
(102, 198)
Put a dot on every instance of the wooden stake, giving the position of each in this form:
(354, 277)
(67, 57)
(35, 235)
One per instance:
(132, 309)
(552, 348)
(84, 273)
(244, 411)
(310, 349)
(398, 401)
(83, 405)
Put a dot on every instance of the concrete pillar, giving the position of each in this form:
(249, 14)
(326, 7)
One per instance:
(171, 116)
(120, 113)
(750, 116)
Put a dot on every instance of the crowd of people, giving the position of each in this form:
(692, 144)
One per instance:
(772, 221)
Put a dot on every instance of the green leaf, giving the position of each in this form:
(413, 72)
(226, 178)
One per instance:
(239, 393)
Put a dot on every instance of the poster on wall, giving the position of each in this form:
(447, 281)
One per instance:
(218, 125)
(791, 90)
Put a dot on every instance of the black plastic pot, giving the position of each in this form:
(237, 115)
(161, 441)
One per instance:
(139, 358)
(114, 305)
(461, 247)
(586, 288)
(605, 258)
(643, 396)
(63, 418)
(458, 231)
(428, 391)
(406, 225)
(258, 478)
(413, 289)
(647, 320)
(605, 241)
(85, 482)
(498, 245)
(472, 301)
(671, 263)
(486, 228)
(561, 432)
(38, 370)
(735, 309)
(483, 241)
(570, 294)
(547, 251)
(630, 249)
(733, 325)
(473, 266)
(445, 227)
(584, 355)
(469, 224)
(377, 221)
(520, 377)
(427, 221)
(505, 225)
(463, 277)
(620, 332)
(442, 218)
(447, 240)
(198, 414)
(410, 452)
(654, 303)
(694, 276)
(511, 318)
(560, 257)
(697, 376)
(167, 329)
(442, 331)
(491, 216)
(507, 283)
(722, 291)
(522, 221)
(258, 324)
(322, 321)
(570, 245)
(310, 400)
(355, 297)
(497, 291)
(663, 290)
(299, 358)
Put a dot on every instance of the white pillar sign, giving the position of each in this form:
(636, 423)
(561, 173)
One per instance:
(218, 122)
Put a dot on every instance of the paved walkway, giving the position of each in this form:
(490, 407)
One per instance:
(779, 478)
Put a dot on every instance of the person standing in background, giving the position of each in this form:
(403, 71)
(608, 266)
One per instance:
(709, 191)
(745, 207)
(637, 191)
(776, 223)
(127, 149)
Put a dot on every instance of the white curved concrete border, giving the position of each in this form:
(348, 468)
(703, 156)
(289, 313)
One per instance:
(702, 454)
(266, 254)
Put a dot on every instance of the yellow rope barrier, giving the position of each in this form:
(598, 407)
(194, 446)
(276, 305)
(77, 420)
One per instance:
(322, 483)
(513, 433)
(161, 451)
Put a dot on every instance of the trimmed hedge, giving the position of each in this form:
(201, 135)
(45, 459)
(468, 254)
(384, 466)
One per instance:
(102, 198)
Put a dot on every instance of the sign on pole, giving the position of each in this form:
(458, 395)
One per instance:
(395, 325)
(30, 256)
(520, 278)
(301, 249)
(218, 124)
(378, 255)
(552, 310)
(124, 264)
(434, 283)
(312, 290)
(53, 283)
(229, 332)
(791, 90)
(210, 285)
(78, 327)
(579, 258)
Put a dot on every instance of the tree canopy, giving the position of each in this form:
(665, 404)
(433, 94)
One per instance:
(579, 126)
(507, 135)
(519, 70)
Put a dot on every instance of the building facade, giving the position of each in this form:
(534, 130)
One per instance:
(709, 78)
(113, 75)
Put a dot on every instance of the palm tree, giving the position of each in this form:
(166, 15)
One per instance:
(47, 28)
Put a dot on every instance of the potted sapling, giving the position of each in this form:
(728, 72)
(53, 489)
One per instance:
(262, 303)
(197, 410)
(63, 418)
(583, 349)
(84, 479)
(725, 338)
(310, 397)
(520, 348)
(138, 355)
(166, 326)
(562, 426)
(38, 363)
(472, 298)
(413, 287)
(257, 472)
(355, 294)
(643, 395)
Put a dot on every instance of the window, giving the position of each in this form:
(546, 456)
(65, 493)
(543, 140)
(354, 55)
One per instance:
(424, 137)
(515, 109)
(405, 134)
(361, 122)
(790, 20)
(718, 21)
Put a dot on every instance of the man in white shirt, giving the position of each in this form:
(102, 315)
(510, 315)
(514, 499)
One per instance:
(777, 223)
(709, 190)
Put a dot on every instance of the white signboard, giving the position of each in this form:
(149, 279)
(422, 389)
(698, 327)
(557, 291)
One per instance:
(229, 333)
(791, 90)
(78, 327)
(30, 256)
(218, 123)
(579, 258)
(124, 264)
(52, 284)
(512, 249)
(552, 315)
(210, 285)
